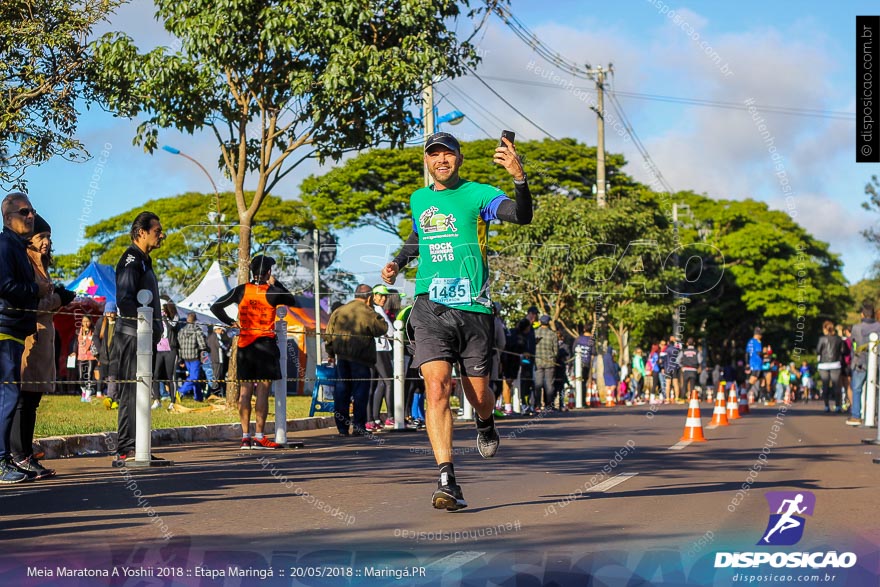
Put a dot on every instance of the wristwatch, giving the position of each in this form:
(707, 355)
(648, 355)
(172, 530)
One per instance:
(522, 181)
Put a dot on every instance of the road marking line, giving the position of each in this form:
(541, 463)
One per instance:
(454, 561)
(680, 445)
(613, 482)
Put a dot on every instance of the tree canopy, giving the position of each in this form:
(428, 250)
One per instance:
(44, 57)
(373, 188)
(739, 264)
(775, 274)
(192, 243)
(270, 78)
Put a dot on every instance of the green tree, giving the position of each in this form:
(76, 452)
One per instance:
(740, 264)
(274, 78)
(373, 188)
(582, 264)
(192, 243)
(44, 54)
(774, 274)
(571, 256)
(866, 289)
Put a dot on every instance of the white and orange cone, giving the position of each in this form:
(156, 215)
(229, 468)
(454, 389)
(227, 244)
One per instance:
(609, 398)
(719, 415)
(693, 426)
(743, 403)
(732, 405)
(594, 398)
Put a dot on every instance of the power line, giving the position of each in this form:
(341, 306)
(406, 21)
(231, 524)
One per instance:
(476, 105)
(532, 40)
(587, 72)
(789, 110)
(511, 106)
(470, 118)
(640, 146)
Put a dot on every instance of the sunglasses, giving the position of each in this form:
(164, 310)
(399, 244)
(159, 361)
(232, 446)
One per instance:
(26, 212)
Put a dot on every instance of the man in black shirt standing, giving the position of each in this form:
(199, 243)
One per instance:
(690, 365)
(134, 272)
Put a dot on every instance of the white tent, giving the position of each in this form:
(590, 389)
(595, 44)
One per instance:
(212, 286)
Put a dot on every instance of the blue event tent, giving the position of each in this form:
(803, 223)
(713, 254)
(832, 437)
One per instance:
(96, 281)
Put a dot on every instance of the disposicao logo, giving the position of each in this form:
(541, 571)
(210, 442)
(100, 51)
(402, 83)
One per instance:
(786, 528)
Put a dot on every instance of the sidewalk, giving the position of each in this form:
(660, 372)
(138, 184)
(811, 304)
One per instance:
(99, 443)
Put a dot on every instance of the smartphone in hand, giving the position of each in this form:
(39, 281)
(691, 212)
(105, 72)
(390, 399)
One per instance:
(506, 134)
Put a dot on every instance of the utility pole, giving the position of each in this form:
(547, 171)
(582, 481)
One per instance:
(317, 253)
(428, 120)
(677, 299)
(598, 74)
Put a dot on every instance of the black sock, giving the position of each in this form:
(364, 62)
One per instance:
(486, 425)
(447, 474)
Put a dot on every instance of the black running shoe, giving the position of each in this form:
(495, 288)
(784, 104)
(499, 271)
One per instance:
(121, 458)
(33, 468)
(487, 443)
(448, 497)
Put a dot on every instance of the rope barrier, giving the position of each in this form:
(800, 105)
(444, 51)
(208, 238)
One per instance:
(180, 381)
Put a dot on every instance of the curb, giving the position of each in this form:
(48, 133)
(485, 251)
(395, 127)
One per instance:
(57, 447)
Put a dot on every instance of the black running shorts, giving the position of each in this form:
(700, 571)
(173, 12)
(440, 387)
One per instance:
(259, 361)
(456, 336)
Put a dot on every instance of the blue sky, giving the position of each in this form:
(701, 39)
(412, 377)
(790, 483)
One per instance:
(789, 54)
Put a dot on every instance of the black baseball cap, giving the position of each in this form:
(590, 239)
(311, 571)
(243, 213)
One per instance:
(261, 264)
(445, 139)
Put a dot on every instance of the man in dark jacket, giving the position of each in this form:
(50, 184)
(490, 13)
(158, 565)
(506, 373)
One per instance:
(527, 368)
(219, 343)
(587, 345)
(546, 349)
(860, 338)
(690, 363)
(673, 370)
(19, 296)
(191, 341)
(134, 272)
(349, 337)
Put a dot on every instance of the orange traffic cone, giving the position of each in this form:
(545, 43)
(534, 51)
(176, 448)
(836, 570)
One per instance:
(743, 403)
(693, 426)
(609, 399)
(719, 415)
(594, 398)
(732, 405)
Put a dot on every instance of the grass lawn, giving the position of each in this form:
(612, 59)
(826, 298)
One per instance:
(62, 415)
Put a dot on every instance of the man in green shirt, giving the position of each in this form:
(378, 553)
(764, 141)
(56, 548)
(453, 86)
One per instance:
(452, 314)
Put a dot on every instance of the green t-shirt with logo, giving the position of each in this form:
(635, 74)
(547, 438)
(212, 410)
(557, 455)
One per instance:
(453, 227)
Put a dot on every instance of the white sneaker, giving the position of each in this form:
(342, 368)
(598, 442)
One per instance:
(156, 404)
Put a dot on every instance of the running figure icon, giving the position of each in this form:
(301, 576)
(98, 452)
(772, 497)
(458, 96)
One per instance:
(787, 521)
